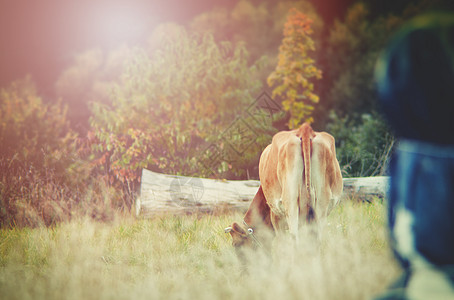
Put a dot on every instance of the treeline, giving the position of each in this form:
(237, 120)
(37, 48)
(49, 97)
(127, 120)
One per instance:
(183, 103)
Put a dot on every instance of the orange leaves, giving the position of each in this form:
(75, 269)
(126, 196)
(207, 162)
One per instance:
(298, 23)
(123, 155)
(293, 77)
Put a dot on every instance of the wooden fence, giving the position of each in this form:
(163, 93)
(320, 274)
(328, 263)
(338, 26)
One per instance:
(161, 193)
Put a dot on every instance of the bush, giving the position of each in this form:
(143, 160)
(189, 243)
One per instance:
(39, 162)
(363, 147)
(171, 105)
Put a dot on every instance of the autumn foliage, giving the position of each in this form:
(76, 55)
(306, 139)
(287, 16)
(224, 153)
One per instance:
(293, 77)
(170, 104)
(184, 101)
(38, 155)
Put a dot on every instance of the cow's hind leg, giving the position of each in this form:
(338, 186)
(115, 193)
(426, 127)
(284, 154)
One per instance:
(276, 221)
(290, 202)
(291, 179)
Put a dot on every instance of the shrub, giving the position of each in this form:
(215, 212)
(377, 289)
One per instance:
(170, 106)
(363, 147)
(39, 163)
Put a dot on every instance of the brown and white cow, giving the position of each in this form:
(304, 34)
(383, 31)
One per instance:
(256, 230)
(300, 182)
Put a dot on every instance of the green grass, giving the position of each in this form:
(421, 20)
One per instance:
(190, 257)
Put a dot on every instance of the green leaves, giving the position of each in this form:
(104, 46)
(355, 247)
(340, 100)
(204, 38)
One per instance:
(352, 50)
(34, 133)
(362, 149)
(170, 104)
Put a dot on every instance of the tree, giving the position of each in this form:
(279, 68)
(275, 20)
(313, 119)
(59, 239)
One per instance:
(90, 77)
(171, 104)
(39, 163)
(296, 69)
(34, 135)
(363, 139)
(257, 24)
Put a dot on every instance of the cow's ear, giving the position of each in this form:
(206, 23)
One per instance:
(238, 228)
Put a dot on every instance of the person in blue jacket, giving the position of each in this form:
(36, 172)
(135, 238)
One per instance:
(415, 82)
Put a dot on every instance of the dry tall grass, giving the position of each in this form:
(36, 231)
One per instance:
(191, 258)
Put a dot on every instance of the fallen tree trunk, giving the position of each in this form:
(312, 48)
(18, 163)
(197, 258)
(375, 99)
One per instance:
(366, 188)
(161, 193)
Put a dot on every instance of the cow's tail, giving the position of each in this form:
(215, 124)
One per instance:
(306, 135)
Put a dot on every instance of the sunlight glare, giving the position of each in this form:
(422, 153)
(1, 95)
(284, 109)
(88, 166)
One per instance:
(117, 24)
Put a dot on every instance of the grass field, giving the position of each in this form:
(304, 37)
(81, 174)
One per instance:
(191, 257)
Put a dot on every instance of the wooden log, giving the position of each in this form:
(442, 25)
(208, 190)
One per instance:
(161, 193)
(366, 188)
(179, 194)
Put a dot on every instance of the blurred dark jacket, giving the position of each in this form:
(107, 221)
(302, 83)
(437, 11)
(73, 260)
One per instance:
(415, 79)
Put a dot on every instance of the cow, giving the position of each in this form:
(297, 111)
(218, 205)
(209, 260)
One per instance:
(258, 230)
(300, 182)
(256, 219)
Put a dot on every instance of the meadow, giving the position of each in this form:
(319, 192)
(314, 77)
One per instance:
(190, 257)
